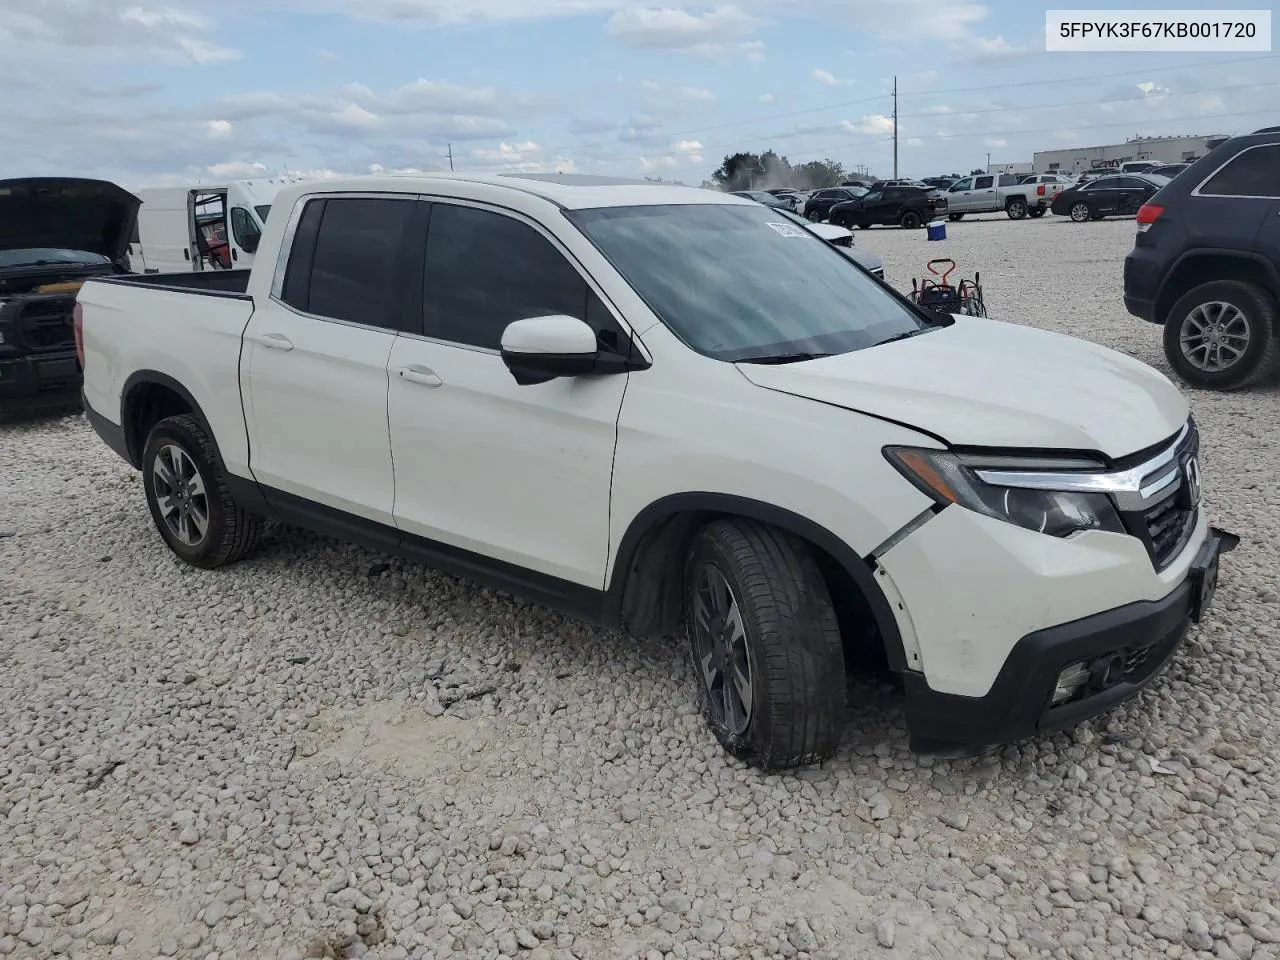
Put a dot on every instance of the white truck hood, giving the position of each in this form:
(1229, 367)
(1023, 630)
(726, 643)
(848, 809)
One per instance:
(984, 383)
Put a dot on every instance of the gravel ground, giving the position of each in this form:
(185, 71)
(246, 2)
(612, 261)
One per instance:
(321, 753)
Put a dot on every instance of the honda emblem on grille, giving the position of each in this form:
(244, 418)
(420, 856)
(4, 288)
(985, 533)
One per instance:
(1192, 471)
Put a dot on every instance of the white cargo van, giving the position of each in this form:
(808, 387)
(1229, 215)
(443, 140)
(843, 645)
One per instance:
(204, 227)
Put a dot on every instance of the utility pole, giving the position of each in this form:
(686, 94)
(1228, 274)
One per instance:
(988, 161)
(895, 128)
(451, 158)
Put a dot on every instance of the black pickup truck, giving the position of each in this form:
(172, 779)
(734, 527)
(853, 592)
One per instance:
(55, 232)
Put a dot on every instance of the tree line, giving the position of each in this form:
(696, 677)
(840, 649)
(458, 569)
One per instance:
(765, 171)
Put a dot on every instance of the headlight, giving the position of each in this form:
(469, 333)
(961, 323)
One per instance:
(953, 478)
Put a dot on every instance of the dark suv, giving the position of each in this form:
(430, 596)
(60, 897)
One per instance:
(888, 205)
(1206, 265)
(820, 202)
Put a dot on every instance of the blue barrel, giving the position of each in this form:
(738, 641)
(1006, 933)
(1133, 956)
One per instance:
(937, 230)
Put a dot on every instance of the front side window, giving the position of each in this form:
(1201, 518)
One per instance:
(486, 270)
(737, 283)
(346, 260)
(965, 184)
(1253, 173)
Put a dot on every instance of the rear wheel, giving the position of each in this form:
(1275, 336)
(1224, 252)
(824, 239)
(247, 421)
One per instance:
(766, 645)
(953, 217)
(186, 490)
(1016, 209)
(910, 220)
(1080, 212)
(814, 216)
(1223, 335)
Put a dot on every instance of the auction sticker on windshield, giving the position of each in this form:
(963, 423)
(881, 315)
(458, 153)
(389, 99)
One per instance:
(787, 229)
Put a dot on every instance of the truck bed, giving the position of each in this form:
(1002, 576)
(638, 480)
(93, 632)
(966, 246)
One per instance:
(210, 283)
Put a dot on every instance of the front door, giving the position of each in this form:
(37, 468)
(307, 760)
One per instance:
(315, 370)
(960, 196)
(514, 473)
(983, 197)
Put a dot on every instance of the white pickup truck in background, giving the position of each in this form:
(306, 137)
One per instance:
(651, 406)
(993, 193)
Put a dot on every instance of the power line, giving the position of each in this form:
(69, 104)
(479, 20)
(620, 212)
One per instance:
(919, 93)
(941, 117)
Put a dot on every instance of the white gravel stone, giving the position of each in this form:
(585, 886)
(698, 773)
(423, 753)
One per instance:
(408, 765)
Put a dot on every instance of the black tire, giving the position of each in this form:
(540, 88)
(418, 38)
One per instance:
(1016, 209)
(864, 226)
(954, 217)
(229, 532)
(790, 640)
(814, 216)
(1036, 212)
(910, 220)
(1080, 212)
(1258, 321)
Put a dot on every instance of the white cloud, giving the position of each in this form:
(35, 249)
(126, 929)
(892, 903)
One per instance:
(354, 115)
(219, 129)
(876, 123)
(995, 143)
(32, 28)
(236, 169)
(667, 95)
(525, 157)
(766, 98)
(674, 28)
(828, 79)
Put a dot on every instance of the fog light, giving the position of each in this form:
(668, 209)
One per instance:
(1070, 680)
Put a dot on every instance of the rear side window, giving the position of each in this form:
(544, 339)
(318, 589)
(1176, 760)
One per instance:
(359, 250)
(486, 270)
(1008, 180)
(1253, 173)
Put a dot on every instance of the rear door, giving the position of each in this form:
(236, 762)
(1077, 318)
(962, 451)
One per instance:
(1245, 193)
(983, 197)
(519, 474)
(314, 376)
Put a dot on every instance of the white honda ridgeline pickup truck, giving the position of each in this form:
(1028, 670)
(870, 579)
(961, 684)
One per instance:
(647, 406)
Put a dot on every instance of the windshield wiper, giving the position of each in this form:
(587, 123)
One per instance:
(906, 335)
(785, 357)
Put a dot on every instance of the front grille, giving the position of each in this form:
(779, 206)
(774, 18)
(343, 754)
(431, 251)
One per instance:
(51, 333)
(1165, 520)
(54, 307)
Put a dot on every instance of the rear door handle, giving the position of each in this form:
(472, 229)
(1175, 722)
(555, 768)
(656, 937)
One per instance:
(276, 341)
(419, 374)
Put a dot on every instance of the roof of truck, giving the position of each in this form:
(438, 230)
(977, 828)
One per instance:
(568, 190)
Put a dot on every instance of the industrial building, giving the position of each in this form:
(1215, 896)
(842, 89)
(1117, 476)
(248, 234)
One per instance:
(1157, 149)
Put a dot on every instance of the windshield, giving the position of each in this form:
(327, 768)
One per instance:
(263, 209)
(741, 283)
(50, 256)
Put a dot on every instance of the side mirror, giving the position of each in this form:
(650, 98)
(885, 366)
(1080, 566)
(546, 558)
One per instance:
(540, 349)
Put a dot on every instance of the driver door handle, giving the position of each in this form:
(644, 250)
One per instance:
(420, 375)
(276, 341)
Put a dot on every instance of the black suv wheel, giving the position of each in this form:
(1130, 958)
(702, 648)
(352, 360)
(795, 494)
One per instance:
(1223, 335)
(766, 645)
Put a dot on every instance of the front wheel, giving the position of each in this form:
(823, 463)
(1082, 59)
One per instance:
(1080, 212)
(953, 217)
(1036, 212)
(186, 490)
(910, 220)
(766, 645)
(814, 216)
(1223, 335)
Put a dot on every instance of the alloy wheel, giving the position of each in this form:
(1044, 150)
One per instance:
(1214, 336)
(180, 495)
(720, 646)
(1080, 212)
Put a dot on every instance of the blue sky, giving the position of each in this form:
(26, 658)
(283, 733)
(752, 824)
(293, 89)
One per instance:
(172, 91)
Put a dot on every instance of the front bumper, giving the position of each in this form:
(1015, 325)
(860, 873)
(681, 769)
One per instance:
(38, 379)
(1124, 650)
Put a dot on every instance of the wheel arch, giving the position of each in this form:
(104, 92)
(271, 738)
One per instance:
(645, 591)
(148, 397)
(1195, 267)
